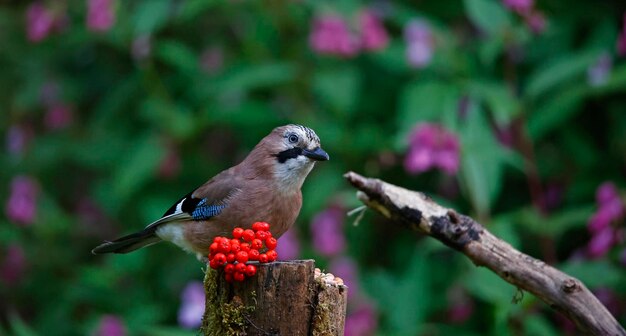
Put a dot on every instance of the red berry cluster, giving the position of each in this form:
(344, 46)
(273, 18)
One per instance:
(233, 254)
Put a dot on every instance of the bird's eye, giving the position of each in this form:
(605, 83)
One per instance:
(293, 138)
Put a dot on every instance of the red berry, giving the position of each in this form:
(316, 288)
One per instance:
(214, 248)
(250, 270)
(245, 247)
(229, 268)
(269, 234)
(271, 255)
(231, 257)
(234, 248)
(240, 267)
(213, 264)
(263, 258)
(271, 243)
(256, 244)
(217, 239)
(262, 235)
(253, 255)
(242, 257)
(224, 245)
(228, 277)
(237, 232)
(247, 235)
(239, 276)
(260, 226)
(220, 259)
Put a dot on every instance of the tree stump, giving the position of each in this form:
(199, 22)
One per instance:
(283, 298)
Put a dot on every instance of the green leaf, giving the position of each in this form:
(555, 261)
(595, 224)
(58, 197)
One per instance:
(553, 113)
(500, 100)
(561, 70)
(538, 325)
(557, 223)
(19, 327)
(175, 118)
(482, 160)
(594, 274)
(487, 15)
(488, 286)
(151, 15)
(392, 58)
(338, 88)
(136, 167)
(249, 77)
(177, 55)
(191, 9)
(413, 287)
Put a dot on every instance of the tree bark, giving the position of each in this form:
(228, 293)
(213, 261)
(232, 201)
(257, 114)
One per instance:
(419, 213)
(283, 298)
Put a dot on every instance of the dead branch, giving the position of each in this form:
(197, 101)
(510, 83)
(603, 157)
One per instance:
(418, 212)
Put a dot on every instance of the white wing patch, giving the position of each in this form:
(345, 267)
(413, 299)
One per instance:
(179, 206)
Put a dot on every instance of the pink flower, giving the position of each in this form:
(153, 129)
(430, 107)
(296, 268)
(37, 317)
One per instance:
(420, 43)
(330, 35)
(58, 116)
(519, 6)
(606, 193)
(610, 208)
(111, 325)
(361, 322)
(288, 247)
(192, 305)
(100, 15)
(601, 243)
(373, 33)
(432, 146)
(22, 204)
(40, 22)
(13, 265)
(621, 39)
(327, 231)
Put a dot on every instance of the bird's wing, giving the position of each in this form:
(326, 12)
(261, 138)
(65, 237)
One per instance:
(205, 202)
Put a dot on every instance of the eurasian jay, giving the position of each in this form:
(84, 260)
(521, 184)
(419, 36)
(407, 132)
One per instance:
(265, 186)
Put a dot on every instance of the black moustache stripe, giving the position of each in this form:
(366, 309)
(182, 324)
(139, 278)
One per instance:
(291, 153)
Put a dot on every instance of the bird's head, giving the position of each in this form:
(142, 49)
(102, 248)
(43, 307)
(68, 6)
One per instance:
(293, 150)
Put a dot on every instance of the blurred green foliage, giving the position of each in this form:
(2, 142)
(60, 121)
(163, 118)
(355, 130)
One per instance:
(204, 80)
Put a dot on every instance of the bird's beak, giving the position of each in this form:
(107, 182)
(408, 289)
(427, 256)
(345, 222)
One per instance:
(317, 154)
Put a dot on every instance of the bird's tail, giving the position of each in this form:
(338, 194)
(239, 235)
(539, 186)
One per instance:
(128, 243)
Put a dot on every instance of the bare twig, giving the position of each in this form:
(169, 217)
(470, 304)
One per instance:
(559, 290)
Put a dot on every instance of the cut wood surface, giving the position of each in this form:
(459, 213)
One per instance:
(283, 298)
(420, 213)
